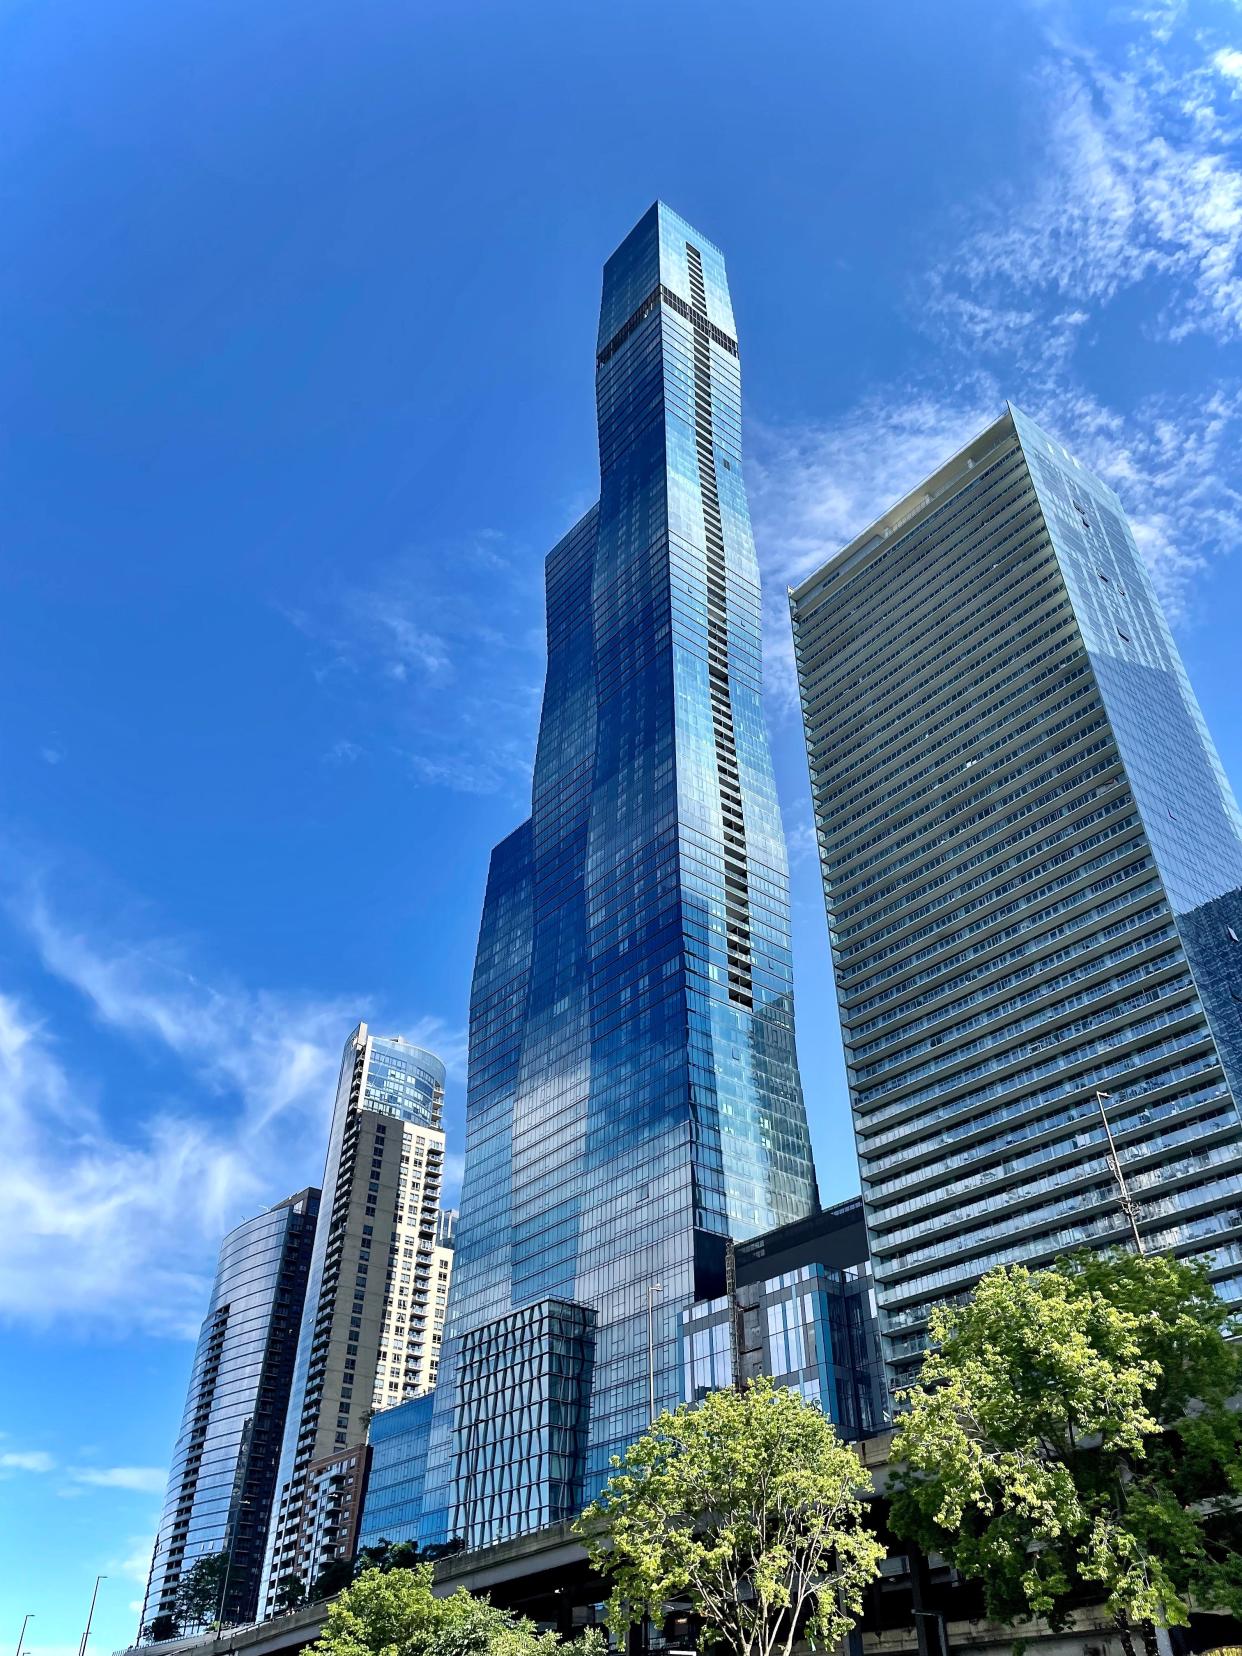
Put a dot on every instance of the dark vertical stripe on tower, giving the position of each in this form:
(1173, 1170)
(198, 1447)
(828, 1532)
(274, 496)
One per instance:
(737, 883)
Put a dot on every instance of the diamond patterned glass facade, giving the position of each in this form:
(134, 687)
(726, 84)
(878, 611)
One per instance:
(634, 1093)
(1033, 870)
(523, 1410)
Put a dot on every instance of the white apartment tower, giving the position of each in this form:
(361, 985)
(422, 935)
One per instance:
(376, 1299)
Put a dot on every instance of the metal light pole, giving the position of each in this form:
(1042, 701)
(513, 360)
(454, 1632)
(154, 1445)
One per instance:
(1124, 1198)
(653, 1288)
(941, 1628)
(90, 1616)
(22, 1634)
(228, 1568)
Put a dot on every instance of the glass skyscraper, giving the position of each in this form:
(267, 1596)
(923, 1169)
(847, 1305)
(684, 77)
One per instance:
(223, 1472)
(634, 1097)
(398, 1438)
(1033, 871)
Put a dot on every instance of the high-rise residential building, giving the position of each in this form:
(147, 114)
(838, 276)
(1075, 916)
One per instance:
(375, 1304)
(223, 1475)
(1033, 871)
(634, 1097)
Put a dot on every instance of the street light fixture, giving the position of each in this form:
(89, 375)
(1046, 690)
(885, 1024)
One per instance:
(228, 1567)
(1124, 1198)
(90, 1616)
(22, 1634)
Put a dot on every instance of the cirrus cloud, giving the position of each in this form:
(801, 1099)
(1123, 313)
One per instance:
(114, 1217)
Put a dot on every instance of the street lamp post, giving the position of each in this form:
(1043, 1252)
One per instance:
(941, 1629)
(228, 1567)
(1124, 1198)
(653, 1288)
(90, 1616)
(21, 1636)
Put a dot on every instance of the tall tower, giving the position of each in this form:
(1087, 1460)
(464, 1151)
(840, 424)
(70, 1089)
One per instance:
(373, 1321)
(1033, 870)
(223, 1472)
(634, 1098)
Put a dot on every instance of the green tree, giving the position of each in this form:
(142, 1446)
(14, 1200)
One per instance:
(402, 1555)
(199, 1590)
(162, 1627)
(397, 1611)
(1070, 1435)
(333, 1578)
(748, 1504)
(290, 1594)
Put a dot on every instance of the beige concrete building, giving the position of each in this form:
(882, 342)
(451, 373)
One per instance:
(378, 1288)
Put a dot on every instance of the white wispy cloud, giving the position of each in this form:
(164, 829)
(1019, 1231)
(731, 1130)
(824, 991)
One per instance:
(113, 1216)
(273, 1051)
(448, 686)
(1138, 186)
(101, 1227)
(1140, 180)
(1170, 459)
(800, 841)
(487, 766)
(813, 487)
(26, 1460)
(146, 1480)
(402, 638)
(134, 1564)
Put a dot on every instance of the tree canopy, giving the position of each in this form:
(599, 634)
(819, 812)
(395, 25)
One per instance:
(199, 1590)
(290, 1594)
(1070, 1434)
(402, 1555)
(749, 1505)
(395, 1613)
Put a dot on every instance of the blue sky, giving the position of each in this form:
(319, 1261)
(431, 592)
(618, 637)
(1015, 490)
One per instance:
(300, 304)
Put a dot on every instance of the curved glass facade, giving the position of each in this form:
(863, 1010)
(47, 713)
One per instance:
(634, 1095)
(223, 1474)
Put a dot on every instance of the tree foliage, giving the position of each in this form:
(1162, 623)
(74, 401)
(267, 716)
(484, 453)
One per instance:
(160, 1628)
(1070, 1435)
(396, 1613)
(290, 1594)
(748, 1504)
(333, 1578)
(402, 1555)
(199, 1590)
